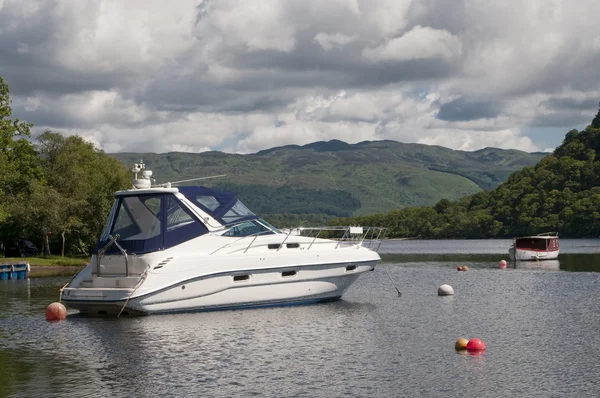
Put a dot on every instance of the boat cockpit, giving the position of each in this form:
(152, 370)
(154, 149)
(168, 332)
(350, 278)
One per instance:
(149, 220)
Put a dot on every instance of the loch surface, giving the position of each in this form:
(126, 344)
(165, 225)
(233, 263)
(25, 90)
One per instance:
(540, 322)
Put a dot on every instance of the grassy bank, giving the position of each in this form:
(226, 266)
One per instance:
(51, 261)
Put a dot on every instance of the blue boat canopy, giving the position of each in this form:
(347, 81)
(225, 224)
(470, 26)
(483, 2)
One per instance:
(156, 221)
(222, 205)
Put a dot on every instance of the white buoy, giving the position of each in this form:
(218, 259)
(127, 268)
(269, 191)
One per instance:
(445, 290)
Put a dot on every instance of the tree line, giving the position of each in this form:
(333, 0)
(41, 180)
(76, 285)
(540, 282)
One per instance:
(55, 191)
(561, 193)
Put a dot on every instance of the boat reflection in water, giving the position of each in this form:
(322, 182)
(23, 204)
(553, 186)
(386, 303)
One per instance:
(548, 265)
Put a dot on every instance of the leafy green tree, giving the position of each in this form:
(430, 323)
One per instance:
(86, 179)
(18, 164)
(596, 121)
(561, 193)
(42, 215)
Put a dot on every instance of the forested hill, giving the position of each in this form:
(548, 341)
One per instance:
(339, 179)
(561, 193)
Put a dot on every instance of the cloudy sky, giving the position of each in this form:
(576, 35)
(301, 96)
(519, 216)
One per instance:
(241, 76)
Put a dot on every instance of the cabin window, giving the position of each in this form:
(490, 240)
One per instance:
(152, 203)
(531, 243)
(247, 228)
(241, 278)
(176, 216)
(181, 225)
(147, 223)
(210, 202)
(138, 218)
(239, 210)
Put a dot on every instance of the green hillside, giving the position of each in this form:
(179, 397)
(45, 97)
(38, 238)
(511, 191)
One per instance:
(560, 193)
(343, 179)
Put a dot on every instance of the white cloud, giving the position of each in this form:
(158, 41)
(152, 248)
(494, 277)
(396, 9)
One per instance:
(255, 25)
(243, 75)
(474, 140)
(419, 43)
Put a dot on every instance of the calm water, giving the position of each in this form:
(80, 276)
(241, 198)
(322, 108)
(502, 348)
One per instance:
(541, 326)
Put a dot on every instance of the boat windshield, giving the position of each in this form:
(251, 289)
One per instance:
(532, 243)
(248, 228)
(222, 205)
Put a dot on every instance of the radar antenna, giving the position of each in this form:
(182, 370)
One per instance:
(146, 181)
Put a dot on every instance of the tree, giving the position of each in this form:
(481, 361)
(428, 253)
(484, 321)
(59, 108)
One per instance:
(85, 179)
(42, 215)
(18, 164)
(596, 121)
(561, 193)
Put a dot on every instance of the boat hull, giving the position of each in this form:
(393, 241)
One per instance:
(228, 290)
(532, 255)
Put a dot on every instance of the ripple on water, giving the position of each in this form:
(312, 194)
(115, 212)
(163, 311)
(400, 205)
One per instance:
(539, 326)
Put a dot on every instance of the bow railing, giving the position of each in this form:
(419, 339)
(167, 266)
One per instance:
(369, 237)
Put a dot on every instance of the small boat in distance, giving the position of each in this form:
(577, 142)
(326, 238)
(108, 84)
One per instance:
(533, 248)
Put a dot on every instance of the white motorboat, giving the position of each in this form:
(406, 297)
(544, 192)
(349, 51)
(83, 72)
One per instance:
(193, 248)
(534, 248)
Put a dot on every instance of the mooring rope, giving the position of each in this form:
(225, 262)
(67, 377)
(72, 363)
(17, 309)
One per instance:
(61, 290)
(142, 279)
(391, 280)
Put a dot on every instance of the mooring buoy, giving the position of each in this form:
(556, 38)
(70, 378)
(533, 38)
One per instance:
(461, 344)
(445, 290)
(56, 312)
(476, 345)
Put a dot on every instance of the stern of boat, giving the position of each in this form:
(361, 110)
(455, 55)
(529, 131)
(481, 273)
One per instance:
(104, 285)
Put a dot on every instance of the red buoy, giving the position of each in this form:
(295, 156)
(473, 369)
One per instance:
(475, 345)
(502, 263)
(56, 312)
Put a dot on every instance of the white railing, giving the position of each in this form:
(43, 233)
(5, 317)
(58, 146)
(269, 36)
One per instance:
(369, 237)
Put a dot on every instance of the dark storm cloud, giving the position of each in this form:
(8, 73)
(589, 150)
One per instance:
(575, 104)
(268, 80)
(463, 109)
(505, 65)
(448, 15)
(29, 61)
(561, 118)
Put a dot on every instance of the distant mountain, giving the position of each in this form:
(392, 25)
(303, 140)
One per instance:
(341, 179)
(560, 193)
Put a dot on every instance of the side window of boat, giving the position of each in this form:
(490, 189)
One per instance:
(239, 210)
(124, 226)
(181, 225)
(246, 229)
(210, 202)
(153, 204)
(138, 218)
(176, 216)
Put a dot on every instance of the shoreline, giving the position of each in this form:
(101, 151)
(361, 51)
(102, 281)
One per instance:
(54, 270)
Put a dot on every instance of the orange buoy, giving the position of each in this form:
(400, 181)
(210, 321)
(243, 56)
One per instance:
(459, 268)
(461, 344)
(56, 312)
(502, 263)
(476, 345)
